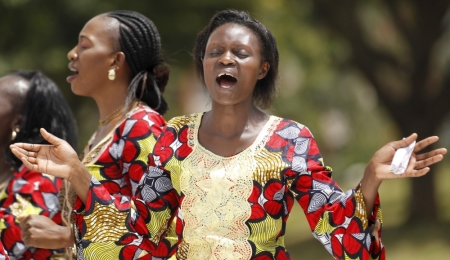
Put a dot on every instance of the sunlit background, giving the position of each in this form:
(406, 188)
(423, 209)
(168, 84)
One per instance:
(358, 73)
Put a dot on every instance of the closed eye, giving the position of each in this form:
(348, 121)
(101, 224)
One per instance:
(242, 56)
(214, 54)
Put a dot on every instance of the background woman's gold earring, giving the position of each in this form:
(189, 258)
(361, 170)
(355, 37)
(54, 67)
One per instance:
(14, 133)
(112, 74)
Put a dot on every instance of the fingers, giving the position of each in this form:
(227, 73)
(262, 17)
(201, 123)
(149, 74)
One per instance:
(28, 147)
(19, 152)
(26, 157)
(50, 138)
(23, 221)
(404, 142)
(421, 172)
(423, 156)
(24, 226)
(428, 161)
(425, 142)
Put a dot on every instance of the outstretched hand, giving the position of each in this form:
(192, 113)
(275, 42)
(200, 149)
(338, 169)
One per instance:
(418, 164)
(57, 159)
(379, 167)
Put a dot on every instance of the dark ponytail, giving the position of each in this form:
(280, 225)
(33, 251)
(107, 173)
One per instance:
(140, 42)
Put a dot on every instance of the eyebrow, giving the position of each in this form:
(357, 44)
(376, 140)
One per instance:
(81, 37)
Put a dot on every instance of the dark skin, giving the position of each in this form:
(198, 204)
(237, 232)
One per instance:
(93, 56)
(234, 122)
(12, 89)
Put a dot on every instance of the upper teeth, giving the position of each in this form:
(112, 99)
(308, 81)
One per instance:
(224, 74)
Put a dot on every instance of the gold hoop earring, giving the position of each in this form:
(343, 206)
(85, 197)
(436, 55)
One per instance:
(14, 133)
(112, 74)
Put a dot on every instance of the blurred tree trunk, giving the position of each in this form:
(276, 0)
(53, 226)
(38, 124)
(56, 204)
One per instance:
(407, 85)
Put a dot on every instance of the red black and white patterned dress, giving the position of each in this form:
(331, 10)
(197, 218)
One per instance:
(28, 192)
(117, 164)
(237, 207)
(3, 254)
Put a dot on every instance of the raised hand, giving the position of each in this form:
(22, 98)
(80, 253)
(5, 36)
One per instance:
(418, 164)
(379, 167)
(41, 231)
(57, 159)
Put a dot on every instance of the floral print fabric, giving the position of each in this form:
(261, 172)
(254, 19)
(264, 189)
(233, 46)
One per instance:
(117, 164)
(3, 254)
(28, 192)
(287, 167)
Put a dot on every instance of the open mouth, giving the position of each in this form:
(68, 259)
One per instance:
(73, 76)
(226, 81)
(74, 70)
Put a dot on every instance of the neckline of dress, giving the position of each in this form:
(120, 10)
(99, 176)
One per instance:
(266, 131)
(107, 139)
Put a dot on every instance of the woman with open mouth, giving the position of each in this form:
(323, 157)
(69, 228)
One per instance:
(230, 176)
(118, 63)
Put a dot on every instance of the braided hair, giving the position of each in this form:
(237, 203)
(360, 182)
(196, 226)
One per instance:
(266, 87)
(140, 42)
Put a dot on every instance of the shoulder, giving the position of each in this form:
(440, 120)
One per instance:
(291, 130)
(293, 139)
(142, 119)
(287, 134)
(180, 128)
(146, 113)
(181, 122)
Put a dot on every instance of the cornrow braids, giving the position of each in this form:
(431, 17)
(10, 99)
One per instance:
(140, 42)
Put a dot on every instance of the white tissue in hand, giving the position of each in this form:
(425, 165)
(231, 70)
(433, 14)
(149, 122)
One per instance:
(401, 159)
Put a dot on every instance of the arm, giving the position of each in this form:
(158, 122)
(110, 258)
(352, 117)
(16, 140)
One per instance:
(31, 194)
(337, 219)
(343, 222)
(108, 222)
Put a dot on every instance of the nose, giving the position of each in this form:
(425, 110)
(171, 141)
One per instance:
(72, 55)
(227, 59)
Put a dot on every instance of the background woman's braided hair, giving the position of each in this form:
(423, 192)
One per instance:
(265, 88)
(140, 42)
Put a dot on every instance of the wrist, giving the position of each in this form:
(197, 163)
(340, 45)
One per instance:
(66, 237)
(370, 179)
(75, 171)
(80, 179)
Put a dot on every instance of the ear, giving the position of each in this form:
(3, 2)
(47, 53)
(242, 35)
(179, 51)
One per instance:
(265, 66)
(118, 61)
(15, 123)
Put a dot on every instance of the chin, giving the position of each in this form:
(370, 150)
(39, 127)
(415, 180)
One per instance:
(78, 92)
(225, 102)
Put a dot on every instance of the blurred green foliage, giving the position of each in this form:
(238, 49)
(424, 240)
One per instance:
(320, 86)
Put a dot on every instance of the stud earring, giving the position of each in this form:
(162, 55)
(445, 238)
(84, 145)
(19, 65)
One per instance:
(14, 133)
(112, 74)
